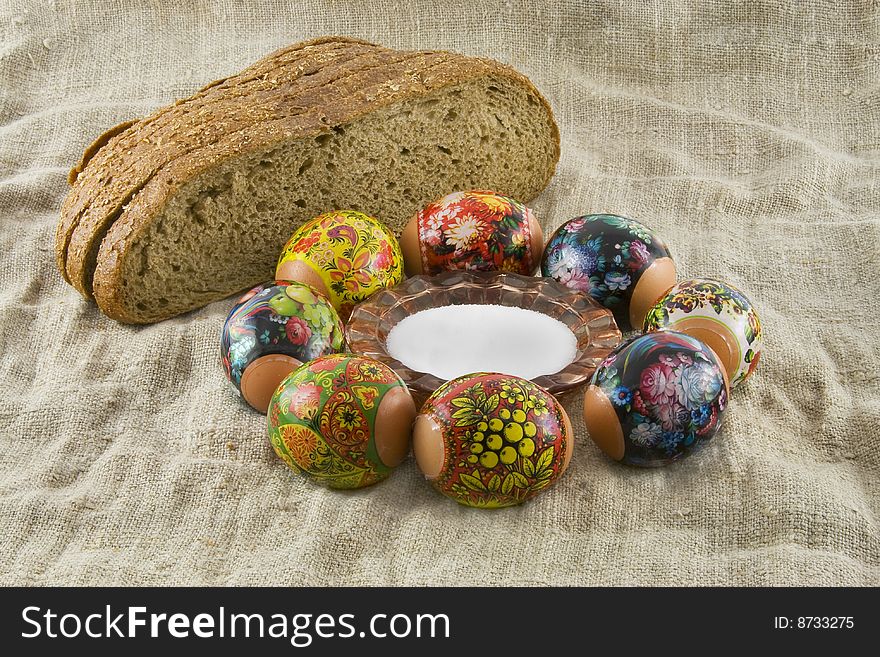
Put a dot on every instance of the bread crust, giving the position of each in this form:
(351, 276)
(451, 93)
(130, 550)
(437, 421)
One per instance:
(121, 165)
(294, 93)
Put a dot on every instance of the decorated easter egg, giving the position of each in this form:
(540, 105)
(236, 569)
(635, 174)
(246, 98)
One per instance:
(618, 261)
(345, 255)
(656, 398)
(492, 440)
(476, 230)
(719, 315)
(270, 332)
(343, 420)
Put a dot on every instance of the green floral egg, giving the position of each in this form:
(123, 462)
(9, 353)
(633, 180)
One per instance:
(719, 315)
(343, 420)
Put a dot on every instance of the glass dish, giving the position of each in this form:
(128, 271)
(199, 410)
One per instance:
(593, 325)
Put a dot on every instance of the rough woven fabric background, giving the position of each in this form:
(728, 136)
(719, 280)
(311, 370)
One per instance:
(746, 134)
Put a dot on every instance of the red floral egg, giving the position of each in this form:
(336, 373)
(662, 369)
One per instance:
(476, 230)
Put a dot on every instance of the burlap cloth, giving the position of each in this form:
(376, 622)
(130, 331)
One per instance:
(746, 134)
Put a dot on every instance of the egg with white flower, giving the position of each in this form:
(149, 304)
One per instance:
(476, 230)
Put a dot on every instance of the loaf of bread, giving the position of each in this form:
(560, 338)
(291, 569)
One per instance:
(194, 202)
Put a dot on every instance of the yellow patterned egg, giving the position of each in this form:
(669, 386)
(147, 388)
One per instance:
(345, 255)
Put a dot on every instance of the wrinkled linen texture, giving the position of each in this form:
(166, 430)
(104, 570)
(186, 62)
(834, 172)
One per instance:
(746, 134)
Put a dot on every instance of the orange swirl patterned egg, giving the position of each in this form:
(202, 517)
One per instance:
(476, 230)
(492, 440)
(345, 255)
(343, 420)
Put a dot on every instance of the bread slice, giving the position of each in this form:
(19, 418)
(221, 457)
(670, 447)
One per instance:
(194, 202)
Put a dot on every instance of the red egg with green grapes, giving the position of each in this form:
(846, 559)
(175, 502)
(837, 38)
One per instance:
(492, 440)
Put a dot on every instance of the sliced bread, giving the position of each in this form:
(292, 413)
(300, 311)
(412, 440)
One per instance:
(194, 202)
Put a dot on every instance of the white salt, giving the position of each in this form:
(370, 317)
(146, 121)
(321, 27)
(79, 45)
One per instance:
(453, 340)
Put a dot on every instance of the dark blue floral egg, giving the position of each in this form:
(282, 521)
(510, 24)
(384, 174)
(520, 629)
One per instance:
(618, 261)
(656, 399)
(271, 331)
